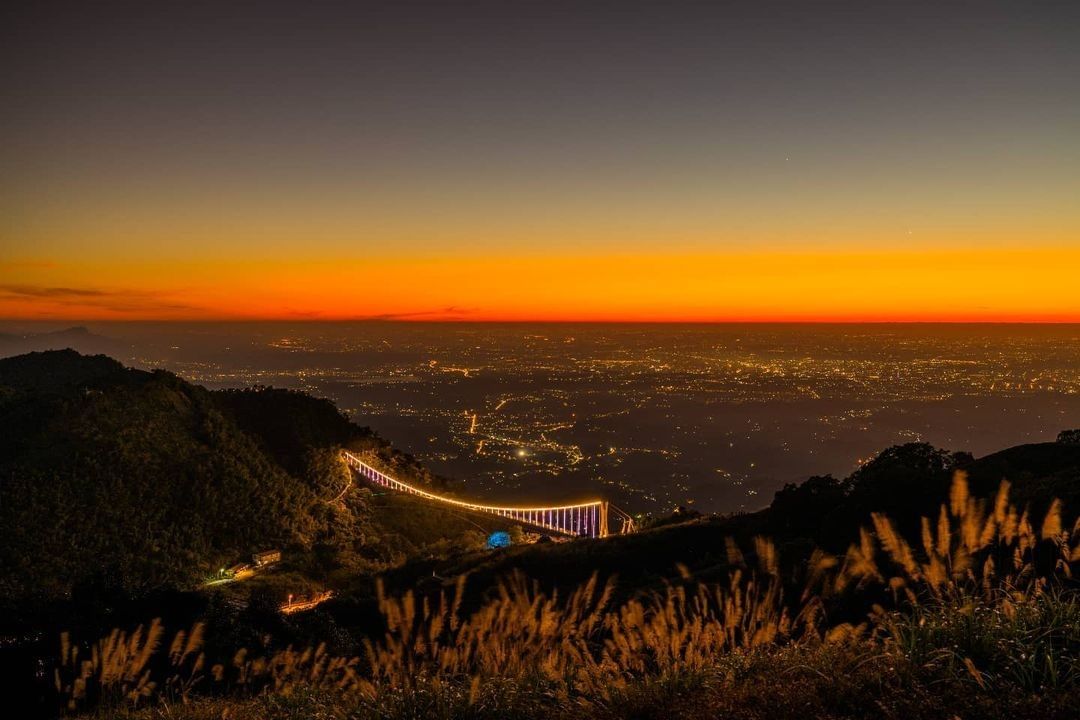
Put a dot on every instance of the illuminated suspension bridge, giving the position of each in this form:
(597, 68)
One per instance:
(590, 519)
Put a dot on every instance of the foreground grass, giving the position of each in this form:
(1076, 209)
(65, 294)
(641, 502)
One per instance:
(976, 620)
(857, 680)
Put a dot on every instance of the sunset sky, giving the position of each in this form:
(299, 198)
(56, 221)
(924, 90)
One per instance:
(541, 160)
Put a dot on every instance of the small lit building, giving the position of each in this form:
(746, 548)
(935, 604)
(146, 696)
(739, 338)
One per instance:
(266, 557)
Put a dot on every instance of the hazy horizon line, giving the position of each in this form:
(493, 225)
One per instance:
(74, 322)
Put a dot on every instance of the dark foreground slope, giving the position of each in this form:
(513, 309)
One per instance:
(904, 482)
(879, 635)
(139, 482)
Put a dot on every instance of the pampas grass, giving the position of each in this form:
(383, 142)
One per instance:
(965, 600)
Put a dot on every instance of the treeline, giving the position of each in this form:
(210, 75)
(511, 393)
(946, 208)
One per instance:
(907, 481)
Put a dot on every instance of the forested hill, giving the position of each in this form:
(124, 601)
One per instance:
(140, 479)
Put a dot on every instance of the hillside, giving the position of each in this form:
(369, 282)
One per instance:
(121, 491)
(113, 477)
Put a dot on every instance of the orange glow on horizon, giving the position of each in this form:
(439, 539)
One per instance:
(999, 284)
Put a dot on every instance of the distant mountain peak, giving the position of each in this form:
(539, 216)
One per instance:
(76, 337)
(80, 330)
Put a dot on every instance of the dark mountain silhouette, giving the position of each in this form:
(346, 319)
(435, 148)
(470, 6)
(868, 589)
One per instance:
(78, 338)
(909, 481)
(141, 480)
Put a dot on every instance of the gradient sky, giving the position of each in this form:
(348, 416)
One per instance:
(540, 160)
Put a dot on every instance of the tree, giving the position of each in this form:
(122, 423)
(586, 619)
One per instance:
(1069, 437)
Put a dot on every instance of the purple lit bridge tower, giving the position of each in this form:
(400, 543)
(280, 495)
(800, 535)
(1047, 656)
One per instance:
(588, 519)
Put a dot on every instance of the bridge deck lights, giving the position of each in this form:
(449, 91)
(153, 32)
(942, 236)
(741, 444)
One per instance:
(587, 519)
